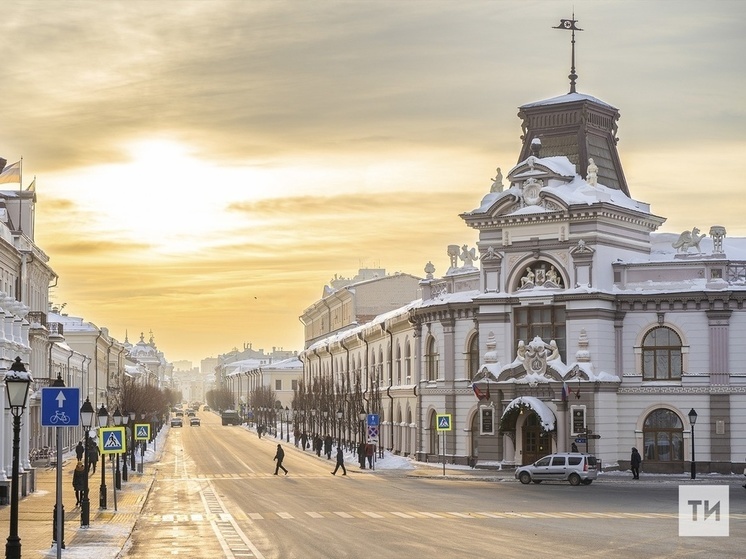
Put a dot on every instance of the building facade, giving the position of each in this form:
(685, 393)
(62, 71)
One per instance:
(573, 321)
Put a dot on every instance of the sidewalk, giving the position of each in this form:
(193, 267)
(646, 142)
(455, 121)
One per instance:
(108, 529)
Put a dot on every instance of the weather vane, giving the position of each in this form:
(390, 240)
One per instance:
(570, 24)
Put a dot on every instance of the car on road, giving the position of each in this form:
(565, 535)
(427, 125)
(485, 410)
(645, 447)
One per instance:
(230, 417)
(191, 413)
(206, 408)
(194, 421)
(575, 467)
(177, 422)
(179, 413)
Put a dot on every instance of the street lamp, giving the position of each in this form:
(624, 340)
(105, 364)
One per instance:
(287, 422)
(340, 413)
(133, 415)
(86, 416)
(125, 421)
(103, 420)
(692, 421)
(117, 476)
(361, 416)
(17, 382)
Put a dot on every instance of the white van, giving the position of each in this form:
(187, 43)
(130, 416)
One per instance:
(575, 467)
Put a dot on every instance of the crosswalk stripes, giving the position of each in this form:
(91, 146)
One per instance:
(412, 515)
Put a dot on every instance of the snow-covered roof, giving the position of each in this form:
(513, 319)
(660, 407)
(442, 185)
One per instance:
(568, 98)
(546, 416)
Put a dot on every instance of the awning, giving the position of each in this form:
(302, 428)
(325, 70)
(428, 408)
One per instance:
(513, 409)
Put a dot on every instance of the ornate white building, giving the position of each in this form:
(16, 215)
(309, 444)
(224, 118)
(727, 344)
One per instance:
(575, 322)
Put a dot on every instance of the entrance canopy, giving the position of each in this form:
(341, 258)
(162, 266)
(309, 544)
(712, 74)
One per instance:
(514, 408)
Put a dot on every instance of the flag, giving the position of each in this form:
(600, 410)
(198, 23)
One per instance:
(565, 391)
(11, 173)
(480, 394)
(568, 24)
(32, 186)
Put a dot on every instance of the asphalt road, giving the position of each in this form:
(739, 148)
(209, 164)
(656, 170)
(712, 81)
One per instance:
(215, 496)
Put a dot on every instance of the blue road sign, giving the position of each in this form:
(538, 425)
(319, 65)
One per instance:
(142, 431)
(373, 420)
(443, 422)
(112, 440)
(581, 440)
(60, 406)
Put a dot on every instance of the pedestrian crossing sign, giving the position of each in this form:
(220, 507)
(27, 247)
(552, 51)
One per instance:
(112, 440)
(443, 422)
(142, 431)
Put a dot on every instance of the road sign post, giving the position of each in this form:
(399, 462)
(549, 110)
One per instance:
(442, 426)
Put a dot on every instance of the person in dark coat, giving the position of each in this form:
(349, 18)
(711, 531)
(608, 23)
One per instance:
(328, 443)
(361, 455)
(634, 463)
(318, 444)
(79, 451)
(340, 462)
(79, 475)
(304, 440)
(279, 457)
(370, 450)
(93, 453)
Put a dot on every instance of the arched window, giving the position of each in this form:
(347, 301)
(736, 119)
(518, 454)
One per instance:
(661, 355)
(663, 435)
(431, 360)
(407, 365)
(398, 364)
(473, 357)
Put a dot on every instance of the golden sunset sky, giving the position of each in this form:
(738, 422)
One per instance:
(203, 168)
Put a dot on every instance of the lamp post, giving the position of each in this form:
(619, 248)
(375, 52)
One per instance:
(17, 382)
(280, 413)
(340, 413)
(692, 421)
(117, 476)
(361, 416)
(86, 416)
(287, 423)
(103, 420)
(133, 415)
(125, 421)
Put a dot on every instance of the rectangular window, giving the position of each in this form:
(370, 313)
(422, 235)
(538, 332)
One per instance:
(546, 322)
(294, 384)
(278, 384)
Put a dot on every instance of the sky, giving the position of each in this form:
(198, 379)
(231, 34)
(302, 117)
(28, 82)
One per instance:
(204, 167)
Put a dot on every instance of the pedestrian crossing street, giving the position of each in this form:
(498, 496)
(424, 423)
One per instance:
(410, 515)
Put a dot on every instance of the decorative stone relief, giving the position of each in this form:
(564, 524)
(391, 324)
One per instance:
(583, 355)
(468, 256)
(592, 176)
(541, 274)
(530, 191)
(429, 270)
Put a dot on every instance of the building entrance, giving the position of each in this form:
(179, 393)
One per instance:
(535, 443)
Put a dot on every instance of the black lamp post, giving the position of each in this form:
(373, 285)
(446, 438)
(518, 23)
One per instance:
(692, 421)
(361, 416)
(86, 416)
(133, 415)
(287, 423)
(103, 420)
(17, 382)
(125, 421)
(340, 413)
(117, 475)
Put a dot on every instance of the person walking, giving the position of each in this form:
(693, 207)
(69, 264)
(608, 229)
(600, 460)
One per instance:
(634, 463)
(370, 450)
(79, 482)
(340, 462)
(79, 451)
(328, 443)
(93, 453)
(279, 457)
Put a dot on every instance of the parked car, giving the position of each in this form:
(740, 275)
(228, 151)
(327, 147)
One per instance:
(179, 413)
(194, 421)
(206, 408)
(177, 422)
(575, 467)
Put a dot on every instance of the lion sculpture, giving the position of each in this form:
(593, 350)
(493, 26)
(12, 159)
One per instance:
(687, 240)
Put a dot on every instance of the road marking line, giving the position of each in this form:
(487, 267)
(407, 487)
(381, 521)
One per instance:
(285, 515)
(372, 514)
(255, 516)
(431, 515)
(344, 515)
(402, 515)
(315, 515)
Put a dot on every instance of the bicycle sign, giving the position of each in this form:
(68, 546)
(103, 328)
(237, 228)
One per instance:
(60, 406)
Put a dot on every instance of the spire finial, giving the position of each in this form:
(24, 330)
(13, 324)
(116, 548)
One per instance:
(570, 24)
